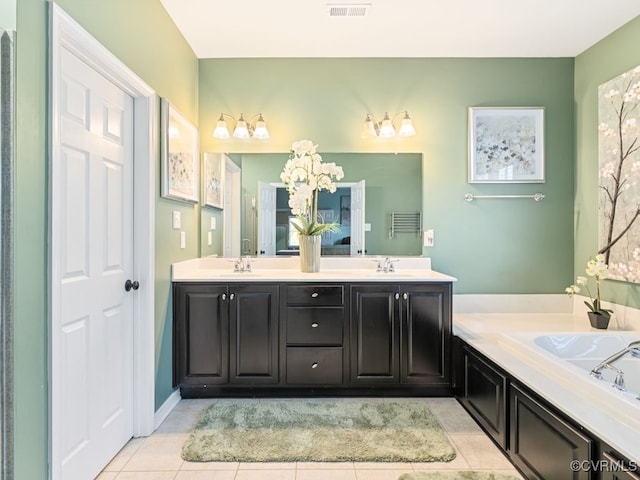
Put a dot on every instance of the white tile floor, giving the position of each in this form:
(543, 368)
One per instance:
(157, 457)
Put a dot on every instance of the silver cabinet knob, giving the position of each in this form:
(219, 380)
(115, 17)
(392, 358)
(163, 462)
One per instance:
(405, 296)
(314, 365)
(232, 296)
(314, 325)
(397, 296)
(224, 296)
(314, 295)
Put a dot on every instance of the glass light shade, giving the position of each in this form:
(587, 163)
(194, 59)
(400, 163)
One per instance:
(261, 132)
(406, 127)
(386, 127)
(368, 128)
(241, 131)
(221, 131)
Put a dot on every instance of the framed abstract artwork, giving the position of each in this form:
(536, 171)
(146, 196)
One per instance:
(180, 157)
(213, 180)
(619, 175)
(506, 145)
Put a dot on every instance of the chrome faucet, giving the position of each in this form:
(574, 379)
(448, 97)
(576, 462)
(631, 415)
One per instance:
(386, 265)
(633, 348)
(242, 265)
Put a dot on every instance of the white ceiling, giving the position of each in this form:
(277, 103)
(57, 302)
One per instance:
(398, 28)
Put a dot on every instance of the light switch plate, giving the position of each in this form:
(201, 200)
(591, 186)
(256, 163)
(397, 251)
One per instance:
(213, 223)
(367, 227)
(176, 220)
(183, 240)
(209, 238)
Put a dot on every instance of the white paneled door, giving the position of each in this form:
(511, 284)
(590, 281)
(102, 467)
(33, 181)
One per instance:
(266, 219)
(93, 240)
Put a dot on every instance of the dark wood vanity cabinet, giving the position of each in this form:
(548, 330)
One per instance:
(400, 334)
(225, 334)
(300, 337)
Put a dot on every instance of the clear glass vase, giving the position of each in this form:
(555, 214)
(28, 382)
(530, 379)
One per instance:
(310, 253)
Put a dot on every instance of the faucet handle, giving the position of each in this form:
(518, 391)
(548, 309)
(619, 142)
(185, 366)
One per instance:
(392, 267)
(237, 265)
(247, 264)
(379, 263)
(618, 383)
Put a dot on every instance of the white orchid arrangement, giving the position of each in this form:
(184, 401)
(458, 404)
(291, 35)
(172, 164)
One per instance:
(305, 175)
(598, 269)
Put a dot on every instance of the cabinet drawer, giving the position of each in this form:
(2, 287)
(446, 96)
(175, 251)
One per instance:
(314, 365)
(315, 295)
(315, 325)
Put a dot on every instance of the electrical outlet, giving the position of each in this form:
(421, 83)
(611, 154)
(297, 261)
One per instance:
(428, 238)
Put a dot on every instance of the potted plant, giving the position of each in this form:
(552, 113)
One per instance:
(305, 175)
(598, 316)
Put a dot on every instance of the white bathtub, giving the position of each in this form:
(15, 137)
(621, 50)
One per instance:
(586, 351)
(570, 357)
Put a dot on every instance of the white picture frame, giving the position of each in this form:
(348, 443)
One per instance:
(506, 145)
(180, 155)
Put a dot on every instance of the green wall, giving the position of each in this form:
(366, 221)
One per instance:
(606, 60)
(142, 35)
(491, 246)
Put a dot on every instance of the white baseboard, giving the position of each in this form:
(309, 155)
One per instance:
(165, 409)
(505, 303)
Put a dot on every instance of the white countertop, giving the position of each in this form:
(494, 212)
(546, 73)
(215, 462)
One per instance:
(489, 334)
(287, 269)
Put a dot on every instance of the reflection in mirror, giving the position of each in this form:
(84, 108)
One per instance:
(7, 149)
(392, 182)
(277, 235)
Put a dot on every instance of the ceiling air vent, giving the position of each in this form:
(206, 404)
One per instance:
(348, 9)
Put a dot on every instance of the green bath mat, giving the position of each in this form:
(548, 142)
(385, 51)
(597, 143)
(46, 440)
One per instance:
(469, 475)
(317, 431)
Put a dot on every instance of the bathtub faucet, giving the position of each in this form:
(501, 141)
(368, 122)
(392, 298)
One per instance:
(633, 348)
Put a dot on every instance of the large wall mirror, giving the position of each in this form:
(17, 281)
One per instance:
(389, 183)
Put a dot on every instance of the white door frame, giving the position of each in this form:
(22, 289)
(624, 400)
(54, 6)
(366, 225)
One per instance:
(68, 34)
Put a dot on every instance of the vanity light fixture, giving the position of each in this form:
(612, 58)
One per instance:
(254, 128)
(386, 128)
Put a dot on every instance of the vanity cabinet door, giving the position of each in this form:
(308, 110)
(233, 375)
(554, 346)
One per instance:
(484, 396)
(425, 334)
(201, 334)
(543, 445)
(253, 334)
(615, 467)
(375, 330)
